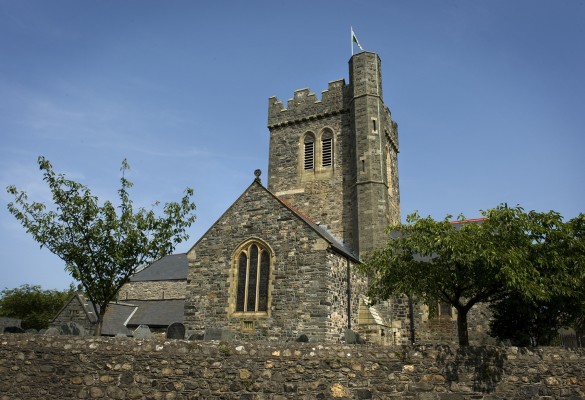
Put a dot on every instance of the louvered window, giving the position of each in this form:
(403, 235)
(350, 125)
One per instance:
(327, 149)
(253, 279)
(309, 152)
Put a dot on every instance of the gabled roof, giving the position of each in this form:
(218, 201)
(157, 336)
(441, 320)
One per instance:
(86, 305)
(170, 267)
(334, 243)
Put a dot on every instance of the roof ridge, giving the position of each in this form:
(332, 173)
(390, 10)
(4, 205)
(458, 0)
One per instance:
(293, 208)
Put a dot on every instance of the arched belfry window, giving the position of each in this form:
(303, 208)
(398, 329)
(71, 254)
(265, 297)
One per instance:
(252, 278)
(327, 148)
(309, 151)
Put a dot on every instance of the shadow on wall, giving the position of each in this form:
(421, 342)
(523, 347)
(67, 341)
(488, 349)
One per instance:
(486, 364)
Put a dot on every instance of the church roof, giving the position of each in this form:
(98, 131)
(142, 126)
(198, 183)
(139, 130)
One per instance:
(170, 267)
(157, 312)
(336, 245)
(116, 316)
(154, 313)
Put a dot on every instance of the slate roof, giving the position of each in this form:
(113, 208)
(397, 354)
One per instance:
(337, 245)
(168, 268)
(116, 316)
(157, 313)
(125, 317)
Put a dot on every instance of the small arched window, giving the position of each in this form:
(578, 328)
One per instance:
(327, 148)
(253, 276)
(309, 151)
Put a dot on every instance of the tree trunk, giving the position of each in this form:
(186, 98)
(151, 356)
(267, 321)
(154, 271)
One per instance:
(462, 327)
(100, 321)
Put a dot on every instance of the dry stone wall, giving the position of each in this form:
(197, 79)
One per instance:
(65, 367)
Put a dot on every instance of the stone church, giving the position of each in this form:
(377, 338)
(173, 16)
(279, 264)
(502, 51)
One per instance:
(280, 262)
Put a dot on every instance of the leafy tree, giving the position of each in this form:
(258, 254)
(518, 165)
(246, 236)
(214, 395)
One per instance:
(466, 263)
(530, 322)
(102, 245)
(32, 305)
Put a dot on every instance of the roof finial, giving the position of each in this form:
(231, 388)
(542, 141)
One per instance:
(257, 174)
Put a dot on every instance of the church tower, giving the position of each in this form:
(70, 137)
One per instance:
(335, 159)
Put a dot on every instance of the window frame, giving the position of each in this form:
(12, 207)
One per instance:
(240, 300)
(316, 154)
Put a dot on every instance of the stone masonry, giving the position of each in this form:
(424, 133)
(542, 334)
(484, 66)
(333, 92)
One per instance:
(66, 367)
(357, 197)
(153, 290)
(308, 283)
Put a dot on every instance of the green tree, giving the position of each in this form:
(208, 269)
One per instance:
(102, 245)
(532, 322)
(467, 263)
(32, 305)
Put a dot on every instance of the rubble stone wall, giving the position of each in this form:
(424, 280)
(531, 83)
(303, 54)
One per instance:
(58, 367)
(153, 290)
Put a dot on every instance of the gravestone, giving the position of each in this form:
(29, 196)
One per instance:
(142, 332)
(176, 330)
(352, 337)
(218, 334)
(13, 329)
(73, 329)
(303, 338)
(52, 331)
(196, 336)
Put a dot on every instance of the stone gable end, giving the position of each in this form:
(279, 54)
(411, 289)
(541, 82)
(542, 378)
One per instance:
(300, 298)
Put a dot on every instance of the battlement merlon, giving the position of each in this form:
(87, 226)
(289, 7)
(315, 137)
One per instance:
(305, 105)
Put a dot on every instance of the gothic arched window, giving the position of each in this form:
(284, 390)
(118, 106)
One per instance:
(309, 151)
(327, 148)
(252, 278)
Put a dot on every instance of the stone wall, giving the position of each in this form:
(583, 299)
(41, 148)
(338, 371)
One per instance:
(153, 290)
(6, 322)
(440, 329)
(58, 367)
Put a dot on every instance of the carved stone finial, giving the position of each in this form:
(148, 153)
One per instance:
(257, 174)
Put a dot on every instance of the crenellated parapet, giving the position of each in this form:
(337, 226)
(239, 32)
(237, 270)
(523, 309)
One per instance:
(306, 106)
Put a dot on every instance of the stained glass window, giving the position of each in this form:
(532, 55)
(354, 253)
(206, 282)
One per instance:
(242, 272)
(253, 279)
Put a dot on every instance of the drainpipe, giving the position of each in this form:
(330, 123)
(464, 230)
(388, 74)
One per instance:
(348, 294)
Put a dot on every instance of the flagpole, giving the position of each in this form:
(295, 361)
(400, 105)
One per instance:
(351, 39)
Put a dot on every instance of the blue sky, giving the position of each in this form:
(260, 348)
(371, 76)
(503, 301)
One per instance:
(489, 97)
